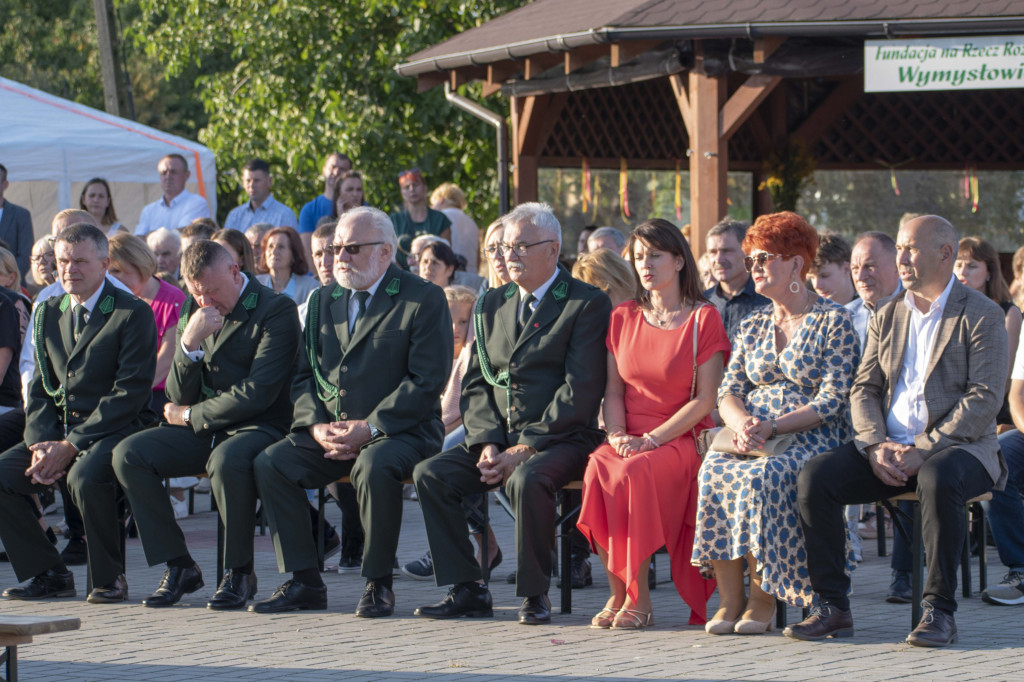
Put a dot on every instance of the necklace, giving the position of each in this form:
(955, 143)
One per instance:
(653, 318)
(779, 321)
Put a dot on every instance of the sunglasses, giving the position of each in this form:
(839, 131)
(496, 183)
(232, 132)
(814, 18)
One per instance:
(351, 249)
(761, 259)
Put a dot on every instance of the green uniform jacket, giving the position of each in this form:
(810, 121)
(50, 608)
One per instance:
(393, 368)
(556, 368)
(107, 377)
(244, 376)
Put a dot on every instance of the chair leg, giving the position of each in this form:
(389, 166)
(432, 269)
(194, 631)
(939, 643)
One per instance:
(780, 614)
(965, 557)
(485, 538)
(917, 574)
(321, 527)
(566, 551)
(880, 525)
(983, 549)
(220, 547)
(654, 571)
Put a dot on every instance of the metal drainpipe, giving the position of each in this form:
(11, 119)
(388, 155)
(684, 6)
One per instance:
(488, 116)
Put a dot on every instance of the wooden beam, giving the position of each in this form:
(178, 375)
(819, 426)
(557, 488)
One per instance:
(524, 166)
(708, 159)
(583, 56)
(830, 109)
(427, 81)
(760, 133)
(538, 64)
(744, 101)
(464, 75)
(488, 88)
(765, 47)
(678, 83)
(630, 50)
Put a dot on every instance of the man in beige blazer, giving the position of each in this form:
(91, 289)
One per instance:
(924, 406)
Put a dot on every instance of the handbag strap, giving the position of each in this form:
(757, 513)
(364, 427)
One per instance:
(693, 381)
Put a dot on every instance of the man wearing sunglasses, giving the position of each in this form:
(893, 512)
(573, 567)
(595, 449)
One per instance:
(377, 353)
(734, 294)
(529, 403)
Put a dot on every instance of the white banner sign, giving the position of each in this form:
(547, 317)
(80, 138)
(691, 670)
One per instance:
(974, 63)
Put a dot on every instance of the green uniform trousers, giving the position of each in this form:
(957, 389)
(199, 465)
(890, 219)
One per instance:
(144, 460)
(287, 468)
(93, 488)
(442, 483)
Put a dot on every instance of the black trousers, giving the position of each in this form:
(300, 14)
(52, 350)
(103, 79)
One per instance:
(843, 476)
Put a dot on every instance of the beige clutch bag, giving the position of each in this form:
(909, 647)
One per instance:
(720, 440)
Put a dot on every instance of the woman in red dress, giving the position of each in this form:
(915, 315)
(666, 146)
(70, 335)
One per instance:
(640, 488)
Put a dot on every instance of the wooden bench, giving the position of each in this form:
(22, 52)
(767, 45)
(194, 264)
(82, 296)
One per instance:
(16, 630)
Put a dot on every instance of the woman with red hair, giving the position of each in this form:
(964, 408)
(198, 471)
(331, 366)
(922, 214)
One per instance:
(789, 375)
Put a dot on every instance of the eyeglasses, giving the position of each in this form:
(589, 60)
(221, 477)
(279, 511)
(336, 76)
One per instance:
(761, 259)
(491, 250)
(41, 259)
(520, 248)
(351, 249)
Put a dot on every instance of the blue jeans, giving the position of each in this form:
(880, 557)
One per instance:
(1006, 511)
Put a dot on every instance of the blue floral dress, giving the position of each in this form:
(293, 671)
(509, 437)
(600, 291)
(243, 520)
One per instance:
(748, 504)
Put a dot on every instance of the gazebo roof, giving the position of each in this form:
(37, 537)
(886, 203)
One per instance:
(546, 26)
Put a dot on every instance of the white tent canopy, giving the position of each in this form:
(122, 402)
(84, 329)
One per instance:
(52, 147)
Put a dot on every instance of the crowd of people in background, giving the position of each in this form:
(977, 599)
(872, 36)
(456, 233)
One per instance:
(740, 411)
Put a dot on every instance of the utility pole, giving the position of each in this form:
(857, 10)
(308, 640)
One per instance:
(114, 96)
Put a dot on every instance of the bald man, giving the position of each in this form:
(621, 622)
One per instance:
(924, 407)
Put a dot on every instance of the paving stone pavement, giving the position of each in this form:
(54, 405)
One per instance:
(190, 643)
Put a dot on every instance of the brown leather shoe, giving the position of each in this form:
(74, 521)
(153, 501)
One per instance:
(937, 628)
(825, 621)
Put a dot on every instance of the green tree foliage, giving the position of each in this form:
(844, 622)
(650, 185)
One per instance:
(293, 80)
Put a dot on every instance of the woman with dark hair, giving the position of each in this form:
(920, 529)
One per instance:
(790, 374)
(438, 263)
(640, 488)
(97, 199)
(238, 246)
(977, 266)
(348, 193)
(285, 264)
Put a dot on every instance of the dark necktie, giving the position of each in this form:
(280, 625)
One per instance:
(526, 312)
(361, 298)
(79, 322)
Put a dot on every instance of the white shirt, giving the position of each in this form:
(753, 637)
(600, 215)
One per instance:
(270, 211)
(1018, 364)
(182, 210)
(861, 315)
(27, 359)
(198, 354)
(353, 302)
(908, 415)
(538, 293)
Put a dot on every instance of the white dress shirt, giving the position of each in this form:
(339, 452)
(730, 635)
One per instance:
(538, 293)
(182, 210)
(353, 302)
(908, 415)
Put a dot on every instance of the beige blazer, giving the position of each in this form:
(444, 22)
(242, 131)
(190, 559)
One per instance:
(965, 384)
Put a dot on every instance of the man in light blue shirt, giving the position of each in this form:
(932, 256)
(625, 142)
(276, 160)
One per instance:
(262, 207)
(177, 207)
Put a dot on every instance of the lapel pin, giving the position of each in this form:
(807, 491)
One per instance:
(536, 325)
(107, 305)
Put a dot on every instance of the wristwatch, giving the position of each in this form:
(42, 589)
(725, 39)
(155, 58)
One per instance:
(186, 416)
(374, 431)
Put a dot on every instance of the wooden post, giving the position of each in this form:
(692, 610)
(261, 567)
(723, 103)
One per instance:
(110, 63)
(524, 168)
(708, 158)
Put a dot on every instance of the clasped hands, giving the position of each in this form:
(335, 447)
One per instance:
(49, 460)
(497, 465)
(341, 440)
(626, 445)
(894, 463)
(752, 434)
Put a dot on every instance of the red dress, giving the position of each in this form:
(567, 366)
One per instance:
(631, 507)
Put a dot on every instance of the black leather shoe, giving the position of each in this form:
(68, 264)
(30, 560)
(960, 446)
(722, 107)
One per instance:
(580, 572)
(176, 583)
(937, 628)
(900, 591)
(235, 589)
(293, 596)
(377, 601)
(44, 586)
(535, 610)
(462, 600)
(825, 621)
(110, 594)
(74, 553)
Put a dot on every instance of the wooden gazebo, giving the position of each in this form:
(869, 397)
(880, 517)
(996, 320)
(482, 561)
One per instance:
(721, 84)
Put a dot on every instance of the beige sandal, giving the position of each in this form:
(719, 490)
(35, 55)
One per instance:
(637, 620)
(602, 621)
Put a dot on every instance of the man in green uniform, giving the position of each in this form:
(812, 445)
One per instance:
(95, 360)
(377, 353)
(236, 346)
(529, 403)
